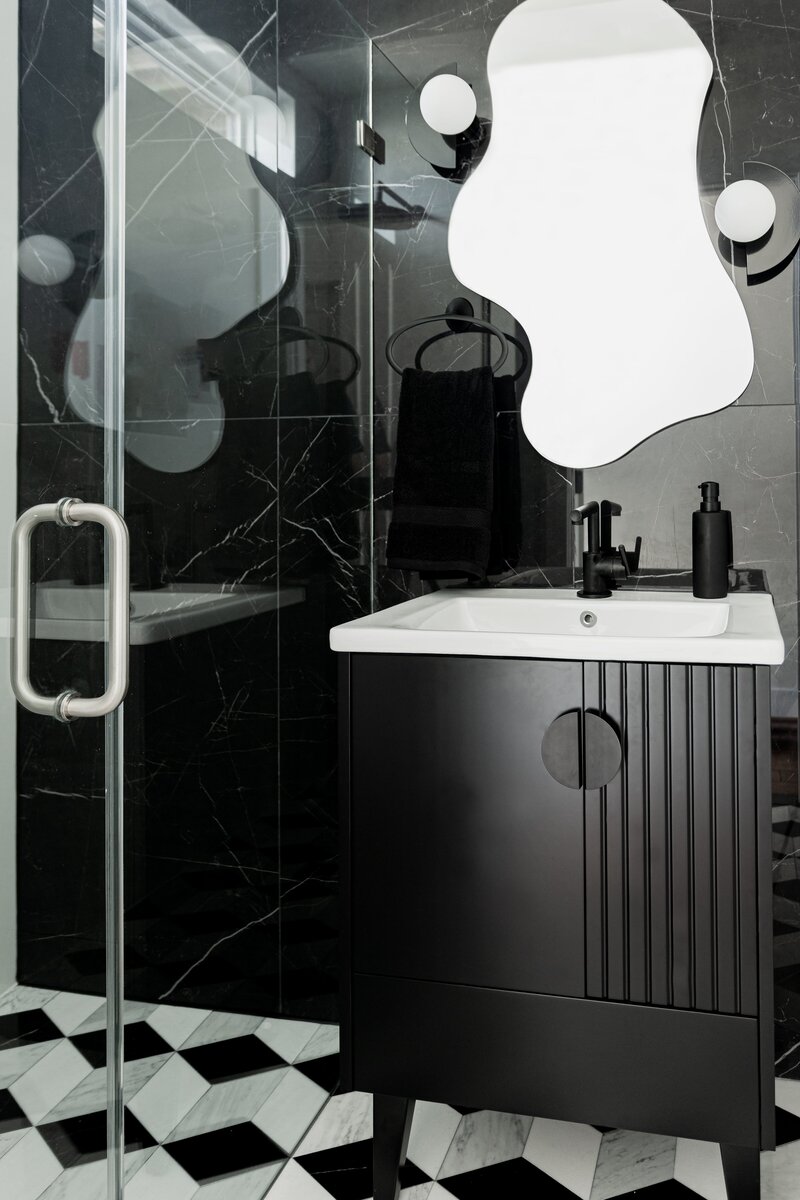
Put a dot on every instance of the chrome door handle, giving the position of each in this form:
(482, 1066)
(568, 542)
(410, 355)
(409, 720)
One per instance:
(69, 705)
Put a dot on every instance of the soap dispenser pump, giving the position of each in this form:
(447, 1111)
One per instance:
(712, 545)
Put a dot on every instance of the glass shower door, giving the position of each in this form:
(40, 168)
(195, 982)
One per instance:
(66, 585)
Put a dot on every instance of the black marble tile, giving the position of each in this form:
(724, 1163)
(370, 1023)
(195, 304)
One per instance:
(23, 1028)
(346, 1171)
(234, 1058)
(140, 1041)
(787, 1127)
(513, 1180)
(81, 1140)
(224, 1152)
(324, 1071)
(11, 1115)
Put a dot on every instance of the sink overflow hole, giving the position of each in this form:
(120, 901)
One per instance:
(588, 619)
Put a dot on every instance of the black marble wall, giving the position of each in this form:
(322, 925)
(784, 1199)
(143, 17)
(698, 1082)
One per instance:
(230, 838)
(752, 111)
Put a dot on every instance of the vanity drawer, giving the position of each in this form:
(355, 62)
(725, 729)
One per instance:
(634, 1067)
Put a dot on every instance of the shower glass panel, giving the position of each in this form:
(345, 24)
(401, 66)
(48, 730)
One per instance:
(60, 867)
(247, 489)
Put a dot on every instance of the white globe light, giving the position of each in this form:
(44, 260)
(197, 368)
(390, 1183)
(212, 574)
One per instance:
(745, 210)
(448, 104)
(45, 260)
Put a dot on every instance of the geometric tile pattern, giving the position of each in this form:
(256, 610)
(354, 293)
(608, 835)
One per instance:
(481, 1155)
(214, 1103)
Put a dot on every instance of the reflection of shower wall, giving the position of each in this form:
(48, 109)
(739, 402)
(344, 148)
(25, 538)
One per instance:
(230, 732)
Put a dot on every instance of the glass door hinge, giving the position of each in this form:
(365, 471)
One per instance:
(370, 141)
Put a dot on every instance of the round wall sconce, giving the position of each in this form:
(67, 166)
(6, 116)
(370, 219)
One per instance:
(745, 211)
(448, 104)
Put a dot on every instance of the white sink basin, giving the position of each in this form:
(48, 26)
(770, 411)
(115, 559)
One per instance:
(627, 627)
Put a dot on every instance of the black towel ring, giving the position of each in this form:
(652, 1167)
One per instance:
(438, 337)
(471, 322)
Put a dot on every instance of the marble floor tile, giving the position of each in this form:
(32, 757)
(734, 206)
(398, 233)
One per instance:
(566, 1152)
(90, 1094)
(15, 1061)
(219, 1027)
(780, 1173)
(484, 1138)
(245, 1185)
(698, 1165)
(287, 1038)
(161, 1178)
(167, 1097)
(28, 1168)
(432, 1131)
(787, 1095)
(90, 1181)
(290, 1109)
(69, 1011)
(631, 1160)
(344, 1119)
(293, 1183)
(322, 1043)
(52, 1078)
(228, 1103)
(176, 1025)
(20, 998)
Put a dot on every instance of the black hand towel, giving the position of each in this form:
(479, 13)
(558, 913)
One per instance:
(444, 477)
(506, 543)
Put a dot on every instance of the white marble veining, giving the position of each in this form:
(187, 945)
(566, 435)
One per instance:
(228, 1103)
(484, 1138)
(631, 1160)
(344, 1119)
(91, 1094)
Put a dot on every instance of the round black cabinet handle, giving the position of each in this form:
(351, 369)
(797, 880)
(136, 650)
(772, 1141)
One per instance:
(561, 750)
(603, 751)
(582, 750)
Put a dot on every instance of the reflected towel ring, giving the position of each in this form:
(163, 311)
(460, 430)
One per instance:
(474, 322)
(351, 350)
(438, 337)
(300, 333)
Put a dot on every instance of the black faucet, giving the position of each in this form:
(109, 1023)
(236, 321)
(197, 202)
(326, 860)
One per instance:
(602, 564)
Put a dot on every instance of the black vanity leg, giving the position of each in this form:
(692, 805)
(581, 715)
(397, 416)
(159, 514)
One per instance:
(391, 1127)
(742, 1168)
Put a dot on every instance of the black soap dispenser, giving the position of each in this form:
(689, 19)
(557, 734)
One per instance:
(712, 545)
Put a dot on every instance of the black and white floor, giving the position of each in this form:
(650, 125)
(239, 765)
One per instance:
(215, 1102)
(494, 1156)
(221, 1106)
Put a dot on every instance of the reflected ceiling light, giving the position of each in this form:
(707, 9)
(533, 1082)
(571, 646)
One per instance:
(45, 260)
(745, 211)
(448, 104)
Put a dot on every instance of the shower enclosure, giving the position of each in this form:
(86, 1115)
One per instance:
(189, 315)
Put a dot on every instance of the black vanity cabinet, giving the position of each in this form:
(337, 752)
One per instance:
(557, 893)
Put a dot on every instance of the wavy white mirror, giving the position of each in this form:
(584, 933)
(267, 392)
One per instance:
(584, 222)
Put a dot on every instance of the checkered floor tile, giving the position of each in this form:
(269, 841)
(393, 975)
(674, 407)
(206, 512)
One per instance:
(477, 1155)
(215, 1102)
